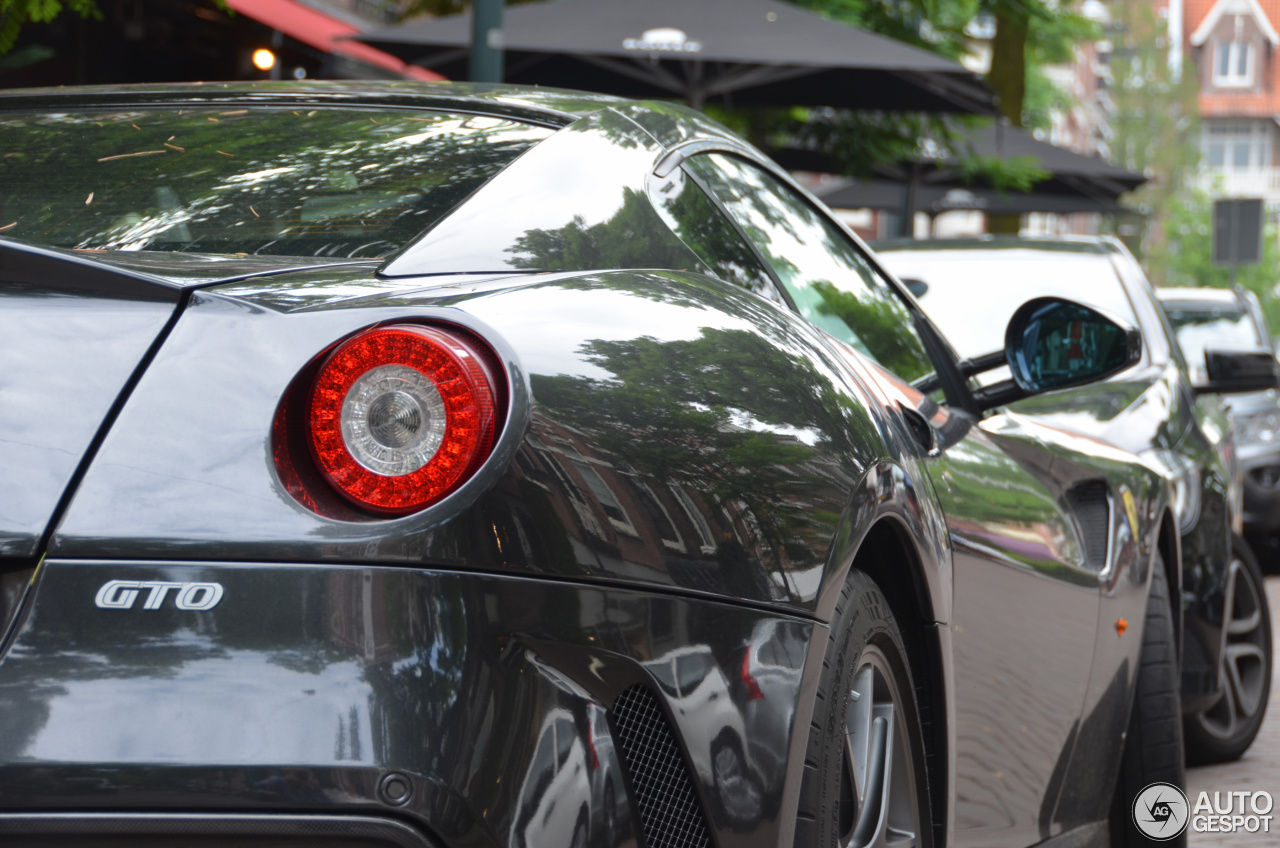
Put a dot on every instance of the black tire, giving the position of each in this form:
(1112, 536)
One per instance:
(1153, 751)
(866, 654)
(1227, 729)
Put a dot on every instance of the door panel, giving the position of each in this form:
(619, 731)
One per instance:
(1025, 606)
(1024, 622)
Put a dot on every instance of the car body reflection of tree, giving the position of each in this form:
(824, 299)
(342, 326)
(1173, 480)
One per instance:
(703, 458)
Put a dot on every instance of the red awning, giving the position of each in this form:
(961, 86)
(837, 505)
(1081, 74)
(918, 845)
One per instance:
(322, 32)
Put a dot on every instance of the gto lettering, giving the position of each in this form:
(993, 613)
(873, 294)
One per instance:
(121, 594)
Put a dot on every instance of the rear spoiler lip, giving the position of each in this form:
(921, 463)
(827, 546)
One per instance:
(48, 267)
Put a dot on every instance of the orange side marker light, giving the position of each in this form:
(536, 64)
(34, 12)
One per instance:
(1121, 626)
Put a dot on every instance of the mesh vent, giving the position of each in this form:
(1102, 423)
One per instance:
(1093, 515)
(669, 812)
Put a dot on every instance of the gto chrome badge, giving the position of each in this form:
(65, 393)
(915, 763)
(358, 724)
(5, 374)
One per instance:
(121, 594)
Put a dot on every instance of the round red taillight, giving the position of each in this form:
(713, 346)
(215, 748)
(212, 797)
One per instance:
(399, 416)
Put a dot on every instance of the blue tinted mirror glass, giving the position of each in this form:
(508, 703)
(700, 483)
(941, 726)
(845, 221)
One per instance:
(1054, 344)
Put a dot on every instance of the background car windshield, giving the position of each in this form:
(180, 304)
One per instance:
(304, 182)
(972, 294)
(1201, 328)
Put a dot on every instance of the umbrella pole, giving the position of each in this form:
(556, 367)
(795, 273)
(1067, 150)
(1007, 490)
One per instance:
(907, 226)
(486, 41)
(695, 86)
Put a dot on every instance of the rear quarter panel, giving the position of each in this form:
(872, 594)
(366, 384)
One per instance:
(663, 429)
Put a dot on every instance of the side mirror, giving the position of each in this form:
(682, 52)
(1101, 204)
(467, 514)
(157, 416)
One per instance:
(1056, 344)
(1233, 370)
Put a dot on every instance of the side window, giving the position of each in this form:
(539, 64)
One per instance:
(692, 216)
(830, 281)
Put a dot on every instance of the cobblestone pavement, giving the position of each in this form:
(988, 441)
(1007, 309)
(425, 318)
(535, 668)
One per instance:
(1258, 769)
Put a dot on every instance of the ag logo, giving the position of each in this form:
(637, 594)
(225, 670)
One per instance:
(1160, 811)
(121, 594)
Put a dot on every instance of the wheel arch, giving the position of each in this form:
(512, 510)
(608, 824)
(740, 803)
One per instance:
(894, 532)
(885, 549)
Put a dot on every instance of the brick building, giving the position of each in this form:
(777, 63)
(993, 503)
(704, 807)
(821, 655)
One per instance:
(1233, 45)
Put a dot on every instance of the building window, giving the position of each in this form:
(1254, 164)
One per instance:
(706, 539)
(1233, 64)
(667, 531)
(608, 501)
(1236, 145)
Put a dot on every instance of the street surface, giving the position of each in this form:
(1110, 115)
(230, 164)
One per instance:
(1258, 769)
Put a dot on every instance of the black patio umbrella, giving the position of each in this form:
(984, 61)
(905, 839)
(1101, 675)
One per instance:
(742, 52)
(936, 199)
(1076, 183)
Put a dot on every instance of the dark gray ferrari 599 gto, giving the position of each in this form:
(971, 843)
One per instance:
(401, 465)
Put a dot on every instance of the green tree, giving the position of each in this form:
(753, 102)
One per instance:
(1034, 33)
(1155, 128)
(1029, 34)
(15, 13)
(1189, 224)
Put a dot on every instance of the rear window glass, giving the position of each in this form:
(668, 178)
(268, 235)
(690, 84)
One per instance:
(299, 182)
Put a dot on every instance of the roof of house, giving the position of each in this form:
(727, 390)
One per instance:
(1260, 10)
(1199, 19)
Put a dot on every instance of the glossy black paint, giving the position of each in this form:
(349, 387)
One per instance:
(544, 106)
(1257, 456)
(343, 674)
(687, 472)
(101, 830)
(571, 434)
(63, 363)
(1150, 409)
(1232, 370)
(537, 217)
(1031, 760)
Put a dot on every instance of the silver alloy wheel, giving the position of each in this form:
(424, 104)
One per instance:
(878, 760)
(1242, 657)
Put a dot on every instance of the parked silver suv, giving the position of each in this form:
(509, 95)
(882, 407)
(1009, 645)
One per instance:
(1233, 318)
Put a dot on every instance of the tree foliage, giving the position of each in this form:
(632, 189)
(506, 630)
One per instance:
(1155, 127)
(15, 13)
(859, 141)
(1189, 261)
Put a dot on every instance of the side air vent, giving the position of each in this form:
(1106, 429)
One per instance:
(1092, 508)
(670, 815)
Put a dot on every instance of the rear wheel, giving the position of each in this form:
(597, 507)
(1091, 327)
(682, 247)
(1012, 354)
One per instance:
(1153, 750)
(1226, 730)
(865, 782)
